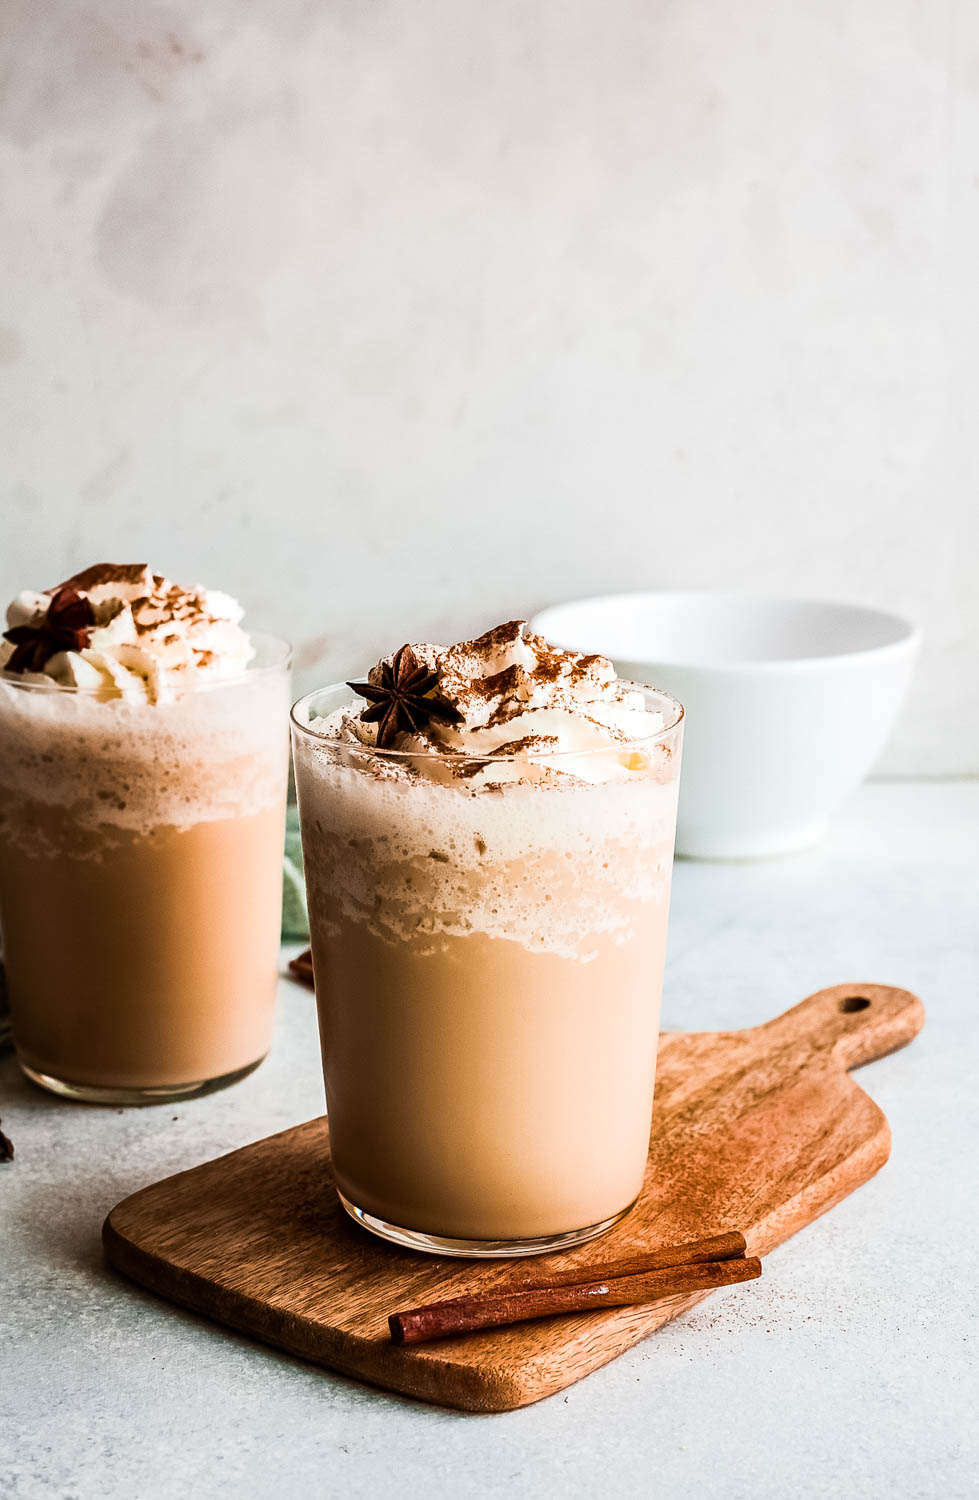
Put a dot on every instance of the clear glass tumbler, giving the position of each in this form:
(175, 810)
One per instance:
(141, 881)
(488, 968)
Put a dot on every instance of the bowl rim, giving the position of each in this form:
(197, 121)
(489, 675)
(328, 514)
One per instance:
(907, 643)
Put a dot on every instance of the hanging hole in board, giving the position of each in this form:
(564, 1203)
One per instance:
(853, 1003)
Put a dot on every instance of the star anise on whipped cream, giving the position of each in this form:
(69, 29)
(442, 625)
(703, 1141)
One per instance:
(400, 702)
(66, 626)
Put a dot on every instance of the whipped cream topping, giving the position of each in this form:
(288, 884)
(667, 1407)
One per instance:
(536, 712)
(149, 639)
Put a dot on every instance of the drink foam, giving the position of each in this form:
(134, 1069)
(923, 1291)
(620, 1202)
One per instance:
(134, 765)
(549, 863)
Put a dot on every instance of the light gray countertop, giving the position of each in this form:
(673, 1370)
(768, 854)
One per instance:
(850, 1370)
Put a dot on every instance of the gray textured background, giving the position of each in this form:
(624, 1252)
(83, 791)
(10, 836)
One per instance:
(847, 1373)
(399, 319)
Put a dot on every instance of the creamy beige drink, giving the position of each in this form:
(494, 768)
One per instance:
(488, 858)
(142, 788)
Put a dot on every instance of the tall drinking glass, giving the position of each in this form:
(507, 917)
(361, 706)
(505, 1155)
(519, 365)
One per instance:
(488, 968)
(141, 881)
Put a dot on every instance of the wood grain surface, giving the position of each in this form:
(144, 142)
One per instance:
(758, 1130)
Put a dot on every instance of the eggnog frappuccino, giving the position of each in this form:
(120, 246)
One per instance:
(142, 789)
(488, 843)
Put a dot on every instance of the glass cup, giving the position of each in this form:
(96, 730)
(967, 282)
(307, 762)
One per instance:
(141, 881)
(488, 968)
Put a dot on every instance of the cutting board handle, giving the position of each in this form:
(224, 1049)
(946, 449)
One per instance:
(856, 1022)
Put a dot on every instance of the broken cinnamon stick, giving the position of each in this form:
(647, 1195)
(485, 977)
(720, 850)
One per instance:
(302, 967)
(516, 1304)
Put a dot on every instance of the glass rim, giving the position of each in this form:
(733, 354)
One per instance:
(455, 756)
(281, 660)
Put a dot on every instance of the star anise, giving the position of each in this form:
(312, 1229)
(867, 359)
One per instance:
(400, 701)
(67, 626)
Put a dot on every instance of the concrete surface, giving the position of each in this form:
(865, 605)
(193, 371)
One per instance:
(849, 1371)
(398, 320)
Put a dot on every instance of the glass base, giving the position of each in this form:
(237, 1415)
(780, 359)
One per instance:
(435, 1244)
(87, 1093)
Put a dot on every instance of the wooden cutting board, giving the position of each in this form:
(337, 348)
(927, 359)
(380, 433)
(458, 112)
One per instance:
(758, 1130)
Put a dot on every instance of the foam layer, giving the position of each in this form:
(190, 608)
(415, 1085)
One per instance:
(499, 786)
(136, 766)
(551, 867)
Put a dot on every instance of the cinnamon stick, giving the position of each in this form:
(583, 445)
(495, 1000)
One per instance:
(728, 1246)
(302, 967)
(517, 1304)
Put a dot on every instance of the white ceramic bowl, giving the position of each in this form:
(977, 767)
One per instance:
(788, 703)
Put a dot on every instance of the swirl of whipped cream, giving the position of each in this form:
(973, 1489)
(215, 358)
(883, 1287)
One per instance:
(539, 711)
(151, 639)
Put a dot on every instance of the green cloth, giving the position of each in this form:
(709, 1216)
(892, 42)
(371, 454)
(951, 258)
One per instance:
(295, 918)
